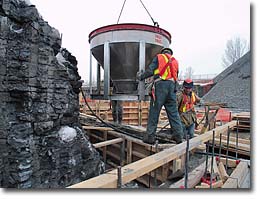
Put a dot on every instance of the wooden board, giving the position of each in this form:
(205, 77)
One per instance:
(237, 177)
(108, 142)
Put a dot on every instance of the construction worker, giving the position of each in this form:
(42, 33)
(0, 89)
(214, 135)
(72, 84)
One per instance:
(186, 99)
(117, 111)
(164, 69)
(117, 107)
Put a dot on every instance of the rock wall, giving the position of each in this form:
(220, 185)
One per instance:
(41, 142)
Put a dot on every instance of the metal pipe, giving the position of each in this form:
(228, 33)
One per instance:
(212, 158)
(187, 162)
(227, 147)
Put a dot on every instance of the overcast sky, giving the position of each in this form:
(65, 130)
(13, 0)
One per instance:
(199, 29)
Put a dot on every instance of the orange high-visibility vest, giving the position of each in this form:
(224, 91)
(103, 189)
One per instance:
(167, 71)
(187, 102)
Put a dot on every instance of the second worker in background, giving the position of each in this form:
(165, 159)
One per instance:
(164, 69)
(186, 100)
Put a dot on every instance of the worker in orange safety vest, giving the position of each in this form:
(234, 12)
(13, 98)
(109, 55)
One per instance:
(186, 99)
(164, 69)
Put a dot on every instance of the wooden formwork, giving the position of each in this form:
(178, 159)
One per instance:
(134, 113)
(144, 165)
(134, 150)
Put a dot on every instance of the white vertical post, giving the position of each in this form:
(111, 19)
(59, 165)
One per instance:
(141, 86)
(106, 70)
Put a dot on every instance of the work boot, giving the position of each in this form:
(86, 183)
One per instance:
(148, 138)
(177, 139)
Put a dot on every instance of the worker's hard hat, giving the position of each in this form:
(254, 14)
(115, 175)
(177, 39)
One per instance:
(188, 83)
(166, 50)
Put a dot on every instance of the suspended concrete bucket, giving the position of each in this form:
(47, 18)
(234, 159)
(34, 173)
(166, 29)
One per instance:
(122, 50)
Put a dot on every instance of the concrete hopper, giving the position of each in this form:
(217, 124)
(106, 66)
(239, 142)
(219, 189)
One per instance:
(124, 49)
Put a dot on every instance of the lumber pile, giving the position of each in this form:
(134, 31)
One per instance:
(199, 178)
(243, 119)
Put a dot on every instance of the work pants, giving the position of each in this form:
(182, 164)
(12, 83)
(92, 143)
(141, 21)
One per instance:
(188, 130)
(164, 96)
(117, 111)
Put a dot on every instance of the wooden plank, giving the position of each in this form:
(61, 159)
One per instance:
(237, 176)
(176, 165)
(143, 166)
(99, 128)
(138, 154)
(127, 137)
(222, 172)
(233, 139)
(194, 177)
(244, 147)
(108, 142)
(215, 169)
(165, 171)
(231, 163)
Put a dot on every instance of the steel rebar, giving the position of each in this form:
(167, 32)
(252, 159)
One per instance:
(228, 137)
(187, 161)
(212, 158)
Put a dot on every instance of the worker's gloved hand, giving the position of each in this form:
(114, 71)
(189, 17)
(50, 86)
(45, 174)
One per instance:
(139, 75)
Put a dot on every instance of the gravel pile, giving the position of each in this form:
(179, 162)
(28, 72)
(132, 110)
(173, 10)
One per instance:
(41, 141)
(233, 86)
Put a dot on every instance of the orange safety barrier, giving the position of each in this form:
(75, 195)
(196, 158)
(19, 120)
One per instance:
(223, 115)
